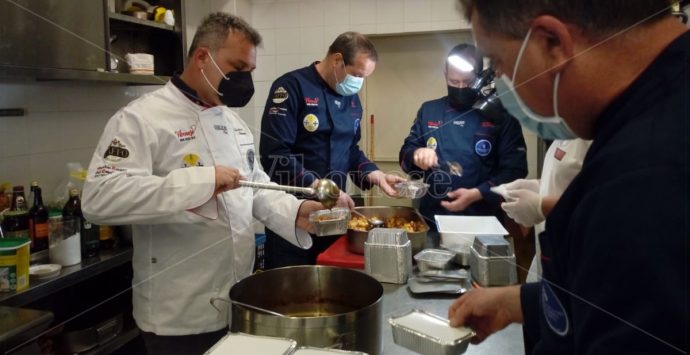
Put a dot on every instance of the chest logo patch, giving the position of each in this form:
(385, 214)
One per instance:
(459, 123)
(553, 309)
(191, 159)
(116, 151)
(313, 102)
(431, 143)
(433, 124)
(338, 103)
(280, 95)
(559, 154)
(311, 122)
(482, 147)
(185, 135)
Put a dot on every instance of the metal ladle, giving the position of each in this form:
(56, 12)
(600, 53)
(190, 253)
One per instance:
(373, 221)
(245, 305)
(326, 191)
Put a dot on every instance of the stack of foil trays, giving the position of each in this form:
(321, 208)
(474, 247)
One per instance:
(388, 255)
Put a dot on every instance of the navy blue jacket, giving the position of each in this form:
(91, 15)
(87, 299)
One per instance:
(308, 132)
(490, 152)
(615, 250)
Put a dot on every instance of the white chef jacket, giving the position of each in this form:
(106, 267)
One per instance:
(563, 161)
(154, 168)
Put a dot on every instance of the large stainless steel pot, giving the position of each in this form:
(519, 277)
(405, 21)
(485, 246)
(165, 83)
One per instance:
(324, 306)
(356, 238)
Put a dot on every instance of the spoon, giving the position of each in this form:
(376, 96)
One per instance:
(451, 167)
(245, 305)
(373, 221)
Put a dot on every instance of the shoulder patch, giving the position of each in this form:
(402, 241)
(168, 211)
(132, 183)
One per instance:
(280, 95)
(116, 151)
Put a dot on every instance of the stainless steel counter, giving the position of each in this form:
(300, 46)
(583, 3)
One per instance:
(398, 300)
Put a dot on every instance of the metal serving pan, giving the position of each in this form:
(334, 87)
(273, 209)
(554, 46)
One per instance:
(356, 238)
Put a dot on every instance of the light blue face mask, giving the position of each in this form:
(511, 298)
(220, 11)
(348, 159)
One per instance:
(349, 86)
(553, 127)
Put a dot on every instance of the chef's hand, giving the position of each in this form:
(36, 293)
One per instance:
(524, 207)
(486, 310)
(523, 184)
(227, 179)
(385, 181)
(305, 209)
(425, 158)
(344, 200)
(461, 199)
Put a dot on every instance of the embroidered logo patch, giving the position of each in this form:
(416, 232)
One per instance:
(555, 314)
(310, 122)
(314, 102)
(185, 135)
(280, 95)
(482, 147)
(431, 143)
(116, 151)
(191, 159)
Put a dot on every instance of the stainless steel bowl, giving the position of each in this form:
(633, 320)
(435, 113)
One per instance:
(356, 238)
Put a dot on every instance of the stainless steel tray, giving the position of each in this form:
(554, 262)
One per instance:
(429, 334)
(424, 285)
(330, 222)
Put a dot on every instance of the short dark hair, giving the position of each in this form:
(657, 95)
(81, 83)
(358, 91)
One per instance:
(214, 30)
(596, 17)
(350, 43)
(467, 50)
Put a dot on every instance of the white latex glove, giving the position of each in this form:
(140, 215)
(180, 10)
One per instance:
(523, 184)
(344, 200)
(524, 207)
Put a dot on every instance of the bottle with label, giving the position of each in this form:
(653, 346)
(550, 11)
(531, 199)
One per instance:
(38, 221)
(16, 220)
(107, 237)
(90, 239)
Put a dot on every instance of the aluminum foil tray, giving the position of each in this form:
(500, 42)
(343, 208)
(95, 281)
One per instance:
(388, 263)
(411, 188)
(307, 350)
(245, 344)
(429, 259)
(429, 334)
(330, 222)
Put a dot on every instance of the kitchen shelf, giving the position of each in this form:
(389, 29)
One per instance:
(116, 343)
(50, 74)
(69, 276)
(137, 21)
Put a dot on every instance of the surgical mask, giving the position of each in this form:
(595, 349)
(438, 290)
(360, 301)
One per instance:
(461, 99)
(349, 86)
(553, 127)
(235, 89)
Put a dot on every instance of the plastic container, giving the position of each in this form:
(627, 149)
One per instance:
(307, 350)
(14, 264)
(429, 334)
(330, 222)
(431, 259)
(458, 232)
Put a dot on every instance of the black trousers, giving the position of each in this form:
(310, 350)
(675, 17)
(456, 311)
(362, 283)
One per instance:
(280, 252)
(181, 344)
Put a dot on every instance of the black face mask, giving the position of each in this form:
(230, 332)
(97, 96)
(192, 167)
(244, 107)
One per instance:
(461, 98)
(235, 88)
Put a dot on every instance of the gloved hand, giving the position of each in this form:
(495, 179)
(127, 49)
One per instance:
(524, 184)
(524, 207)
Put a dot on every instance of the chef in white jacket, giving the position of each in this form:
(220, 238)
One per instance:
(169, 164)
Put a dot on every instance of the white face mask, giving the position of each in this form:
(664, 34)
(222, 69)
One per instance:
(548, 127)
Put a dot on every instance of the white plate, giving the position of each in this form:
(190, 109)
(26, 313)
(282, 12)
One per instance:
(44, 271)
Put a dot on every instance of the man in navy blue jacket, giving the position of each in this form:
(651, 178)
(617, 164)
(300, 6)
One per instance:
(622, 224)
(491, 150)
(310, 130)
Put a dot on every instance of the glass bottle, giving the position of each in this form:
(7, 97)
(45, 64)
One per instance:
(16, 219)
(89, 232)
(38, 221)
